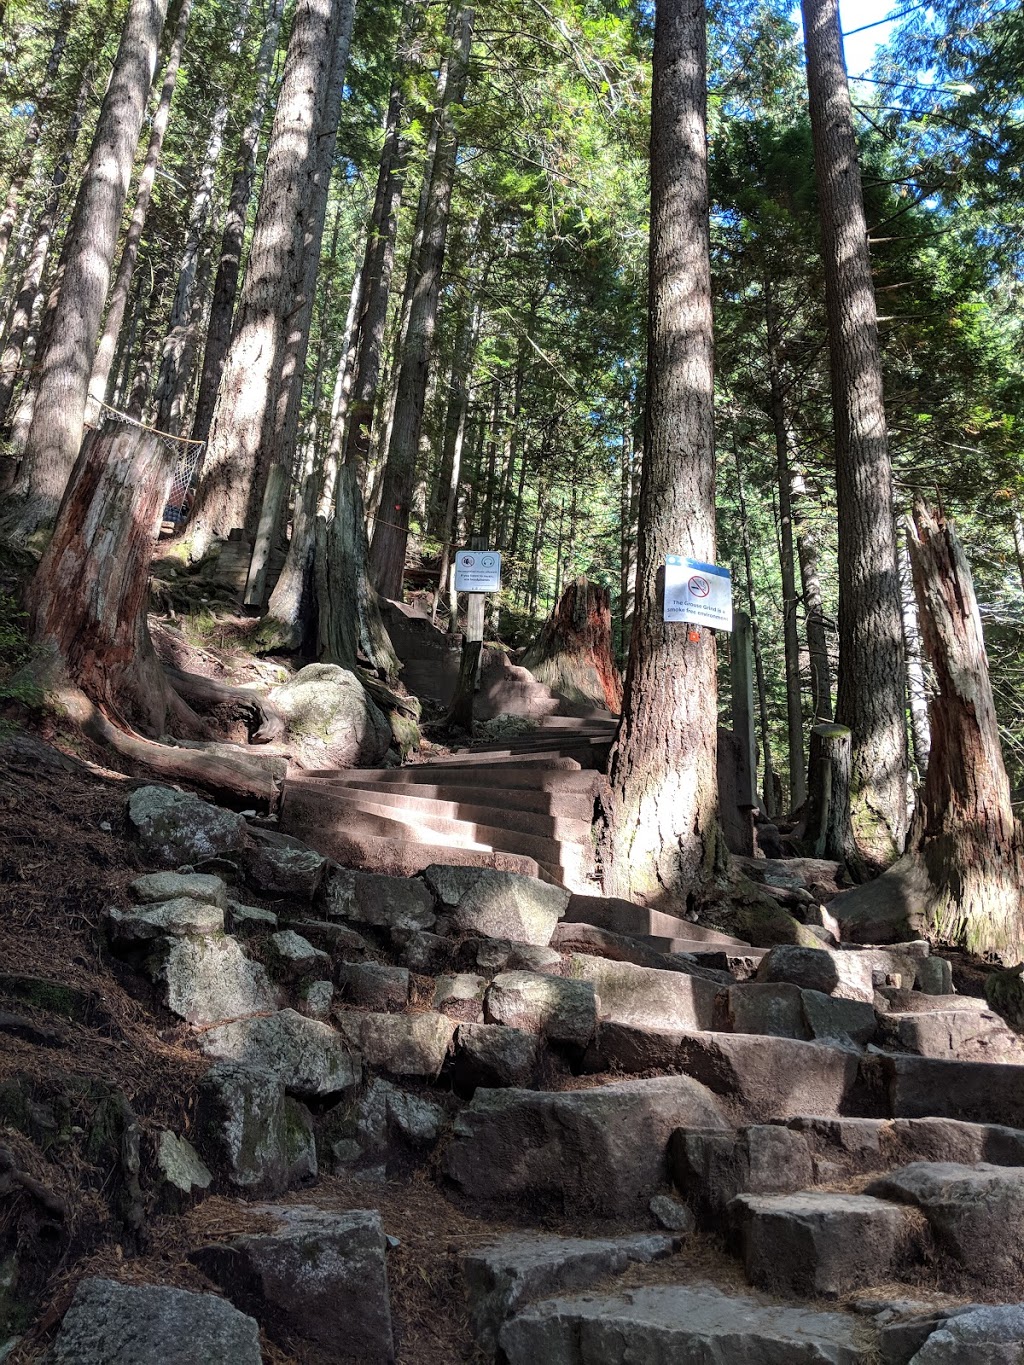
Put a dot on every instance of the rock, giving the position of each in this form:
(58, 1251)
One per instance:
(401, 1044)
(294, 958)
(934, 976)
(711, 1168)
(250, 919)
(207, 980)
(976, 1214)
(374, 985)
(331, 721)
(922, 1087)
(174, 827)
(492, 1055)
(670, 1214)
(529, 957)
(169, 886)
(386, 1111)
(602, 1151)
(246, 1125)
(489, 954)
(832, 1017)
(424, 952)
(818, 1244)
(121, 1324)
(395, 903)
(564, 1011)
(500, 1279)
(310, 1058)
(461, 996)
(316, 998)
(843, 974)
(956, 1035)
(773, 1008)
(760, 1077)
(681, 1323)
(646, 998)
(180, 1165)
(889, 909)
(314, 1274)
(174, 918)
(293, 872)
(500, 905)
(984, 1335)
(337, 939)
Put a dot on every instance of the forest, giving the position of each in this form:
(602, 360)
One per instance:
(376, 277)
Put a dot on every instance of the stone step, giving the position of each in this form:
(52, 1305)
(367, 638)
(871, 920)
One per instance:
(508, 815)
(953, 1034)
(622, 917)
(819, 1244)
(924, 1087)
(685, 1323)
(552, 775)
(645, 997)
(558, 805)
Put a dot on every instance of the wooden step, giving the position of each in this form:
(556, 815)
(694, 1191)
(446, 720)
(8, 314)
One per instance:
(568, 805)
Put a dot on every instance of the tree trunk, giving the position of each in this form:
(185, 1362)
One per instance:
(871, 700)
(768, 786)
(225, 285)
(58, 417)
(817, 643)
(573, 653)
(391, 530)
(247, 397)
(827, 831)
(917, 690)
(661, 840)
(98, 382)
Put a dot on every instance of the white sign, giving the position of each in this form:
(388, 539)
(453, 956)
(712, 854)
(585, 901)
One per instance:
(696, 592)
(478, 571)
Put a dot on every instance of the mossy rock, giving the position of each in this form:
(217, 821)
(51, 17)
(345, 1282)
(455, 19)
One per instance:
(762, 921)
(405, 732)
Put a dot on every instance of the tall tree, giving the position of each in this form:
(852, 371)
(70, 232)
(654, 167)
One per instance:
(66, 364)
(871, 672)
(661, 839)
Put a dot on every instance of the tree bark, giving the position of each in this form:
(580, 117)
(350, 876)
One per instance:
(119, 294)
(768, 786)
(225, 285)
(871, 673)
(573, 653)
(246, 406)
(917, 690)
(661, 841)
(817, 643)
(827, 830)
(391, 530)
(66, 365)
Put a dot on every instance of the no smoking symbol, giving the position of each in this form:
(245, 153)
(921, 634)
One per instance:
(698, 587)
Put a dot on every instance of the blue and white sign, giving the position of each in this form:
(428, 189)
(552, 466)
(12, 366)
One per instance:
(699, 593)
(478, 571)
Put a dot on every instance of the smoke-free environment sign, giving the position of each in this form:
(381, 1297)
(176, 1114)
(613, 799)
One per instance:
(696, 592)
(478, 571)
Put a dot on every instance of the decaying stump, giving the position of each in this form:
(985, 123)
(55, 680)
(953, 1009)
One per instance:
(350, 620)
(87, 609)
(827, 828)
(963, 872)
(573, 652)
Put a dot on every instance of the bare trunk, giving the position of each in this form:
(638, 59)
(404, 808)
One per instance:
(768, 785)
(661, 842)
(66, 365)
(871, 672)
(573, 653)
(817, 643)
(917, 690)
(119, 294)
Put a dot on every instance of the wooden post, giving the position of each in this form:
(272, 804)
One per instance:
(476, 608)
(256, 583)
(743, 704)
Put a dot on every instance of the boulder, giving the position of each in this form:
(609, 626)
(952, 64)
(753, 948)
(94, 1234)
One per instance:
(923, 1087)
(602, 1151)
(180, 1166)
(980, 1335)
(177, 828)
(500, 1279)
(248, 1127)
(820, 1245)
(847, 975)
(934, 976)
(316, 999)
(671, 1322)
(207, 980)
(330, 720)
(250, 919)
(395, 903)
(174, 918)
(766, 1007)
(401, 1044)
(493, 1055)
(374, 985)
(830, 1017)
(308, 1057)
(644, 997)
(531, 957)
(336, 939)
(501, 905)
(293, 958)
(423, 952)
(385, 1111)
(149, 1324)
(169, 886)
(890, 909)
(976, 1214)
(669, 1213)
(461, 996)
(711, 1168)
(956, 1035)
(562, 1010)
(285, 871)
(313, 1274)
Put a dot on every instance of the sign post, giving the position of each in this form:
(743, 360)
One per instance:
(700, 594)
(477, 572)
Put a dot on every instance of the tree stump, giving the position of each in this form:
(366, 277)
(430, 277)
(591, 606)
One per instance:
(828, 832)
(573, 653)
